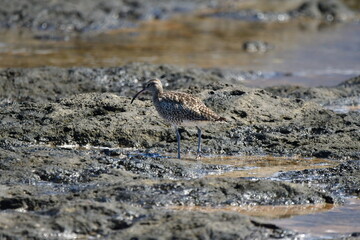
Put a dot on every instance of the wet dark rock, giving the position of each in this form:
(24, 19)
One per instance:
(257, 46)
(215, 192)
(107, 217)
(57, 20)
(94, 15)
(116, 202)
(345, 94)
(58, 125)
(51, 83)
(125, 179)
(79, 162)
(352, 82)
(75, 219)
(328, 10)
(159, 166)
(121, 221)
(191, 225)
(348, 88)
(343, 179)
(49, 20)
(322, 154)
(259, 122)
(355, 234)
(51, 37)
(250, 15)
(235, 77)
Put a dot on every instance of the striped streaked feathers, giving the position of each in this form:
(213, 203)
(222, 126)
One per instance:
(179, 108)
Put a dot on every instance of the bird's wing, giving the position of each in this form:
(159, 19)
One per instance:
(192, 106)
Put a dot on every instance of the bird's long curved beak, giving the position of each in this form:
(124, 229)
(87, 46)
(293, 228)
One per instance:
(137, 95)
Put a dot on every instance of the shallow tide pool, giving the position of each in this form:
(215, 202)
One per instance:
(318, 221)
(304, 53)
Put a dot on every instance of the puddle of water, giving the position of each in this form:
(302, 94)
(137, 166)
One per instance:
(250, 166)
(271, 212)
(344, 109)
(265, 166)
(228, 166)
(340, 220)
(316, 221)
(312, 54)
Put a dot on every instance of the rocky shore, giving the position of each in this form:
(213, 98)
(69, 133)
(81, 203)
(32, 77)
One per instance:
(120, 174)
(79, 161)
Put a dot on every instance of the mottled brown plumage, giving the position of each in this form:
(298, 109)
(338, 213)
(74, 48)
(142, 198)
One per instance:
(179, 109)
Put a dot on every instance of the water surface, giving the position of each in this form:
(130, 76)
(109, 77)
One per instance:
(317, 221)
(304, 52)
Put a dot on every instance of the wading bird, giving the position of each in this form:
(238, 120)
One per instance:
(180, 109)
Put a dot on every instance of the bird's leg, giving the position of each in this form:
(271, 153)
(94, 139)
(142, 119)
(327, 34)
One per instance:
(178, 140)
(199, 141)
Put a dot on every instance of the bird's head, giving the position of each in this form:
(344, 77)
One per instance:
(154, 86)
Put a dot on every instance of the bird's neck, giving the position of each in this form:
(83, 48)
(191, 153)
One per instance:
(156, 95)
